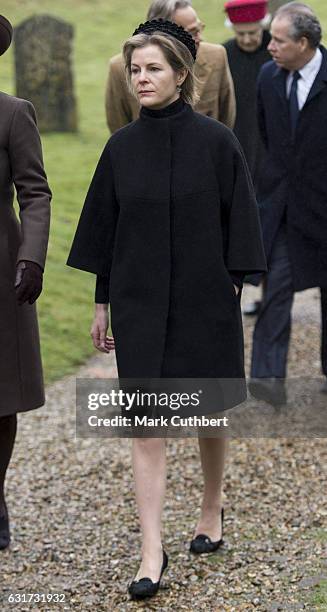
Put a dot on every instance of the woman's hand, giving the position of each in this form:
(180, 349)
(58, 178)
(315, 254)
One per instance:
(28, 283)
(99, 329)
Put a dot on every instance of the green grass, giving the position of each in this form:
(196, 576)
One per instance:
(319, 599)
(318, 595)
(65, 308)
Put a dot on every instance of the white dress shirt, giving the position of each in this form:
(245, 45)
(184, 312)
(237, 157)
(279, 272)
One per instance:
(308, 74)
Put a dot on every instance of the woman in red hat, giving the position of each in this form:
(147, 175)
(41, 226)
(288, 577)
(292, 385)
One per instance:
(247, 52)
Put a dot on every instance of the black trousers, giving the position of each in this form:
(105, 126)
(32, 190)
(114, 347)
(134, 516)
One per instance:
(273, 327)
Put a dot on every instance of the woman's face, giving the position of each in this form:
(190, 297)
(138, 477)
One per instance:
(153, 79)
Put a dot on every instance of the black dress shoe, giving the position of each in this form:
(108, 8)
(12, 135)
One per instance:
(271, 390)
(4, 532)
(203, 544)
(140, 589)
(252, 309)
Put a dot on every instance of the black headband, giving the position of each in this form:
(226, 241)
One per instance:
(5, 34)
(168, 27)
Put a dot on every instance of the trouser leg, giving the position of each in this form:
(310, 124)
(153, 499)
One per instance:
(323, 297)
(273, 326)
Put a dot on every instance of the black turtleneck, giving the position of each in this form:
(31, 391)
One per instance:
(163, 113)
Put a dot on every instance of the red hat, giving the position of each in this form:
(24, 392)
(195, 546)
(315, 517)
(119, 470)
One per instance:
(5, 34)
(246, 11)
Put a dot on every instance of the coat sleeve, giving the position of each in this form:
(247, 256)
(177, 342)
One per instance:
(118, 111)
(93, 244)
(33, 193)
(261, 112)
(227, 102)
(102, 290)
(242, 236)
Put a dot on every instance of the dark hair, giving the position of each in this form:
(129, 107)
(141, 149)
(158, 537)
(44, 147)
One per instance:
(165, 9)
(304, 22)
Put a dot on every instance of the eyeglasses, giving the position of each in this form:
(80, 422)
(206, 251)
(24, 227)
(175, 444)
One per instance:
(195, 31)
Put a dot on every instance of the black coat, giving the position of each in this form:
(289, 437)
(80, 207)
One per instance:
(245, 68)
(170, 211)
(294, 178)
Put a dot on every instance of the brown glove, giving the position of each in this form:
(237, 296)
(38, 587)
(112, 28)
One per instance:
(28, 283)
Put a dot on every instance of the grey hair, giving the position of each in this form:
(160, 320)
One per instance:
(304, 22)
(165, 9)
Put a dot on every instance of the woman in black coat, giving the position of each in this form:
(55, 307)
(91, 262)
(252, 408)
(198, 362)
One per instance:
(170, 227)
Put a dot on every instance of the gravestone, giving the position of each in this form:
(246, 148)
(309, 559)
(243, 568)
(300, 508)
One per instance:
(43, 49)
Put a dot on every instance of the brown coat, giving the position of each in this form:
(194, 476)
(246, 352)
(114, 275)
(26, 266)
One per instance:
(216, 90)
(21, 165)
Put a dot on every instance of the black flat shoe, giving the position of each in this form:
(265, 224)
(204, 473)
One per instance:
(203, 544)
(139, 589)
(4, 532)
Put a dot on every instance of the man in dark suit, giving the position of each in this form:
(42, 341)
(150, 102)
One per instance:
(292, 192)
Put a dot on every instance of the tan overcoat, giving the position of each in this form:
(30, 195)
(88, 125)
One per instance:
(21, 166)
(216, 89)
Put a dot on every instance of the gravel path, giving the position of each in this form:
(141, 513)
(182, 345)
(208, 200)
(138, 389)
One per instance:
(74, 521)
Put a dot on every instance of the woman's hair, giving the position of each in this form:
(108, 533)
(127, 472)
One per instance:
(177, 55)
(165, 9)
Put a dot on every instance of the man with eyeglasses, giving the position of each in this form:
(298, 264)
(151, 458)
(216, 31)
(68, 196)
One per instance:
(216, 90)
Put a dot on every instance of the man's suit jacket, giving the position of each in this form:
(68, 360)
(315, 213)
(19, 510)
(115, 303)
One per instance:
(21, 166)
(294, 177)
(216, 89)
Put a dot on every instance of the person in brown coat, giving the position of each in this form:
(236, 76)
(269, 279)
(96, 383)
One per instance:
(23, 249)
(215, 86)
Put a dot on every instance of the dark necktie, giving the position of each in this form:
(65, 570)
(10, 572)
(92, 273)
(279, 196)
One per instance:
(294, 103)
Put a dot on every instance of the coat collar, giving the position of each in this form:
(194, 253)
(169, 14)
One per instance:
(164, 113)
(279, 81)
(201, 59)
(320, 81)
(176, 112)
(280, 76)
(201, 70)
